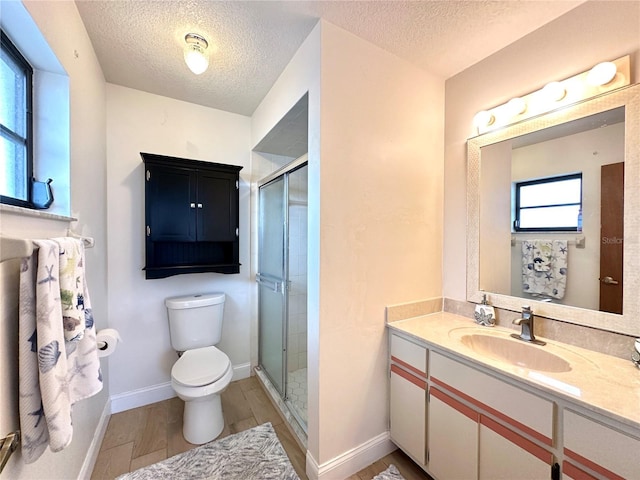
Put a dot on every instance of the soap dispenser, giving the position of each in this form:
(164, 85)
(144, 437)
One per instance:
(484, 313)
(635, 355)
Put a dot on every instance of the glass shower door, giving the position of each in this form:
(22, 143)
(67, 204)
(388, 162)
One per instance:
(271, 278)
(296, 385)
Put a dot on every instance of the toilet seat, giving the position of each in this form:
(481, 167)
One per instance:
(200, 366)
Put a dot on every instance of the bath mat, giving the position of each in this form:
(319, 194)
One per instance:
(254, 454)
(391, 473)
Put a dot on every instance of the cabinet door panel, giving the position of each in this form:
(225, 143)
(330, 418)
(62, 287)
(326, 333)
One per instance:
(453, 439)
(171, 191)
(217, 208)
(502, 459)
(407, 412)
(605, 450)
(411, 356)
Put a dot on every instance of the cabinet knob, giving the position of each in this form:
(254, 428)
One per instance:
(199, 205)
(193, 205)
(148, 231)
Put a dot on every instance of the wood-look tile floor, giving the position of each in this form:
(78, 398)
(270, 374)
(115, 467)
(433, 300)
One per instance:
(146, 435)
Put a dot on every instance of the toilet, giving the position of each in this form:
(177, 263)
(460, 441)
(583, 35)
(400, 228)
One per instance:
(202, 372)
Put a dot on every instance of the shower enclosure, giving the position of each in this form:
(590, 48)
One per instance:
(282, 281)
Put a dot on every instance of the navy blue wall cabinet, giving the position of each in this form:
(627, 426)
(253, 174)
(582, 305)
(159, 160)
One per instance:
(191, 214)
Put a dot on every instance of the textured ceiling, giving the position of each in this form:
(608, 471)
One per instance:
(139, 43)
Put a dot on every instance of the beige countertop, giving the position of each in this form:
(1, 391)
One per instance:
(597, 382)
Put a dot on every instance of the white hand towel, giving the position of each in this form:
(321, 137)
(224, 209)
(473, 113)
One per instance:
(53, 373)
(549, 283)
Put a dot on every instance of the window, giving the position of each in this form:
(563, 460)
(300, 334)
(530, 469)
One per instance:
(16, 142)
(551, 204)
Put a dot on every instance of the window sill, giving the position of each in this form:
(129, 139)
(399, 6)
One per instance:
(28, 212)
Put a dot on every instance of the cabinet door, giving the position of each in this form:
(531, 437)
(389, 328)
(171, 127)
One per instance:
(217, 207)
(453, 438)
(505, 455)
(607, 451)
(408, 403)
(170, 194)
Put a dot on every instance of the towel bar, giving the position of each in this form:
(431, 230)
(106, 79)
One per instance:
(579, 242)
(7, 446)
(14, 248)
(23, 247)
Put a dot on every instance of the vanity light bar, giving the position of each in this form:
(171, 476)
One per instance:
(602, 78)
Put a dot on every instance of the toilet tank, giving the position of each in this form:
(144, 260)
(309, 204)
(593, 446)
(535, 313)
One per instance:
(195, 320)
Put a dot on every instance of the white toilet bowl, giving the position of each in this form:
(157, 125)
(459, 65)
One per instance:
(199, 377)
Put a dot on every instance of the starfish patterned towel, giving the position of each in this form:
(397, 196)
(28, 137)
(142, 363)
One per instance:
(544, 268)
(54, 372)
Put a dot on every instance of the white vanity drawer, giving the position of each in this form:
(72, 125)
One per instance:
(528, 413)
(609, 452)
(409, 355)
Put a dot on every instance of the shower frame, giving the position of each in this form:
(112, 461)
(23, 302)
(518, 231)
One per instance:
(281, 286)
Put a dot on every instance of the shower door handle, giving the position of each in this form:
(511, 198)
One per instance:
(271, 283)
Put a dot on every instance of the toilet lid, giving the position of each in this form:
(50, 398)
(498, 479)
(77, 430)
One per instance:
(200, 366)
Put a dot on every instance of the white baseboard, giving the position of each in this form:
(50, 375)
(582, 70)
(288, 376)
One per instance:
(141, 397)
(94, 448)
(352, 461)
(241, 371)
(163, 391)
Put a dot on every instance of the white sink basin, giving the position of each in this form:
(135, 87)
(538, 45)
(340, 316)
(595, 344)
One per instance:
(515, 352)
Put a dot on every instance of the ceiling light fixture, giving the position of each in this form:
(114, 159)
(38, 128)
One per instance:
(195, 53)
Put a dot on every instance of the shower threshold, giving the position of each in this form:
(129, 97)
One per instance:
(290, 414)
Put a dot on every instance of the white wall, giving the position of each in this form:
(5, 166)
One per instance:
(592, 32)
(64, 31)
(141, 122)
(381, 176)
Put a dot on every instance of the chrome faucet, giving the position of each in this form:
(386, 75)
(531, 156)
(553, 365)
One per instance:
(526, 322)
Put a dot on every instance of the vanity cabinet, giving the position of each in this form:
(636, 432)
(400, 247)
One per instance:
(191, 216)
(590, 446)
(488, 419)
(408, 400)
(496, 430)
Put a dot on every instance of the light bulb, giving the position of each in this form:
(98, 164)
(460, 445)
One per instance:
(554, 91)
(602, 74)
(483, 119)
(516, 106)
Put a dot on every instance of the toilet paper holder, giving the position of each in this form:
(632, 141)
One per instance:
(107, 341)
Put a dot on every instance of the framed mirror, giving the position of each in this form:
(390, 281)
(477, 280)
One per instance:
(527, 245)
